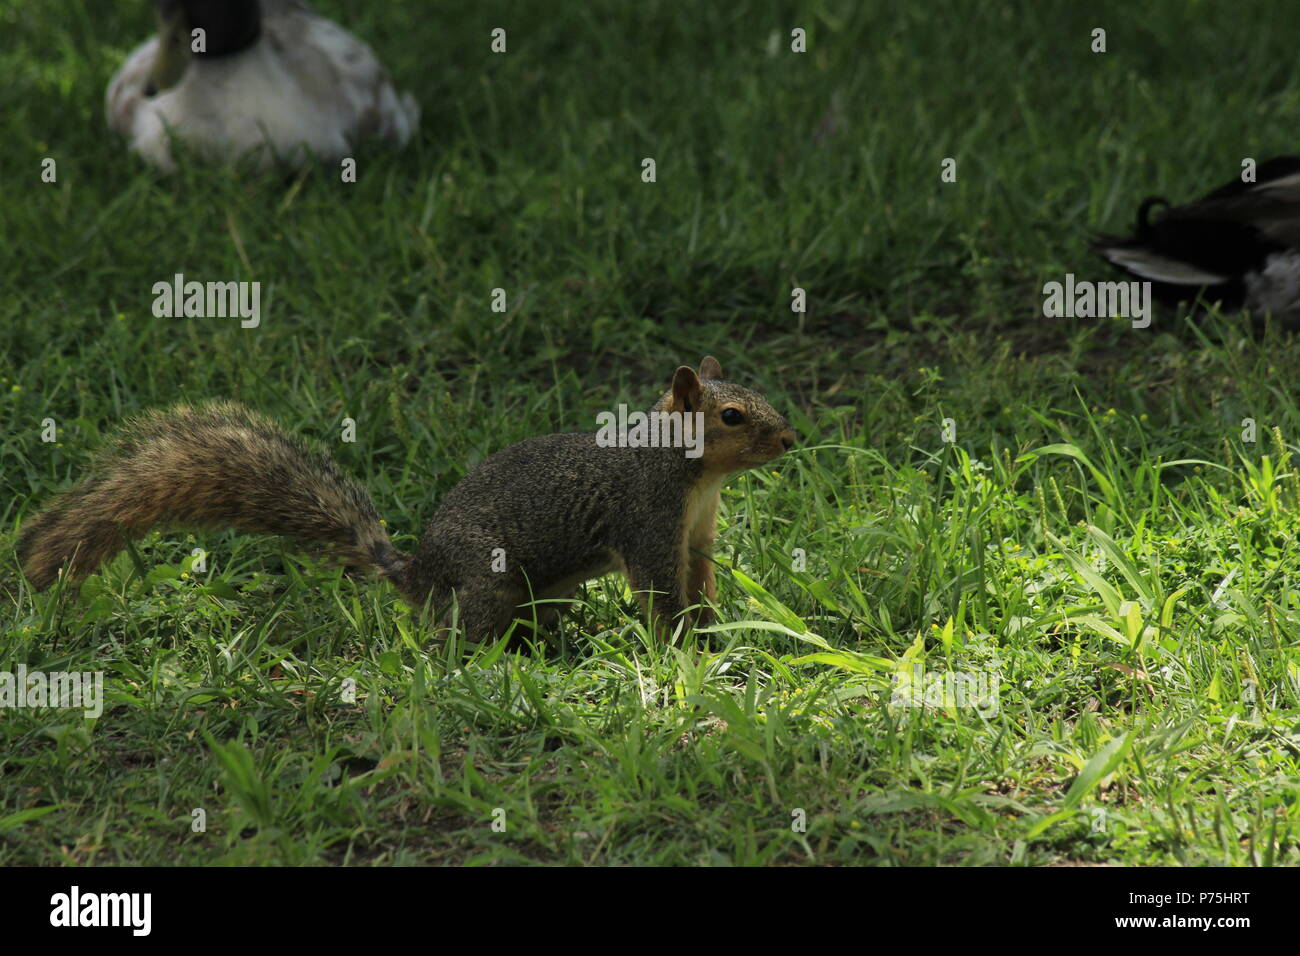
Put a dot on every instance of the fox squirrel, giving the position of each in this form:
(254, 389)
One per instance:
(532, 521)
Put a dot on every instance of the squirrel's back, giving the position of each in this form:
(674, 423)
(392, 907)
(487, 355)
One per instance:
(575, 512)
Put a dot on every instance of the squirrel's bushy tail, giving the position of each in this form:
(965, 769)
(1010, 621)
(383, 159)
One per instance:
(214, 465)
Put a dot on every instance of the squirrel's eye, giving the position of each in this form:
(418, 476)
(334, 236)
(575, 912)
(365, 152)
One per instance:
(732, 416)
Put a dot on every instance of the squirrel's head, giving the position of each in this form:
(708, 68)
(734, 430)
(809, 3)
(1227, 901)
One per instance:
(741, 430)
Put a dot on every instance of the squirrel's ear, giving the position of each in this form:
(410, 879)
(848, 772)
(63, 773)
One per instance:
(709, 368)
(686, 389)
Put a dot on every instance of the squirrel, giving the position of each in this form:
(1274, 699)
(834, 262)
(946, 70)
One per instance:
(561, 509)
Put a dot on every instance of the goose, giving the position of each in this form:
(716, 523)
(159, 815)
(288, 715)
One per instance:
(1240, 244)
(265, 77)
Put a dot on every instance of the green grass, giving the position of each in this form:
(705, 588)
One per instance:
(1099, 537)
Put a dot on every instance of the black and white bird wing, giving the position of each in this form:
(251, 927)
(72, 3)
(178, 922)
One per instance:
(342, 74)
(1215, 241)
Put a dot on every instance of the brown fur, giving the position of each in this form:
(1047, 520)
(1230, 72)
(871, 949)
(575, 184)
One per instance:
(217, 465)
(557, 510)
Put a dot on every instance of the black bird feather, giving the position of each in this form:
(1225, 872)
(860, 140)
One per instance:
(1239, 243)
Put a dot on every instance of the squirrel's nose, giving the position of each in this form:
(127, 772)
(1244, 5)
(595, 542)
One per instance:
(787, 440)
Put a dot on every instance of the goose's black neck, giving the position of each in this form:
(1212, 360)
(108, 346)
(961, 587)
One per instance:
(229, 26)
